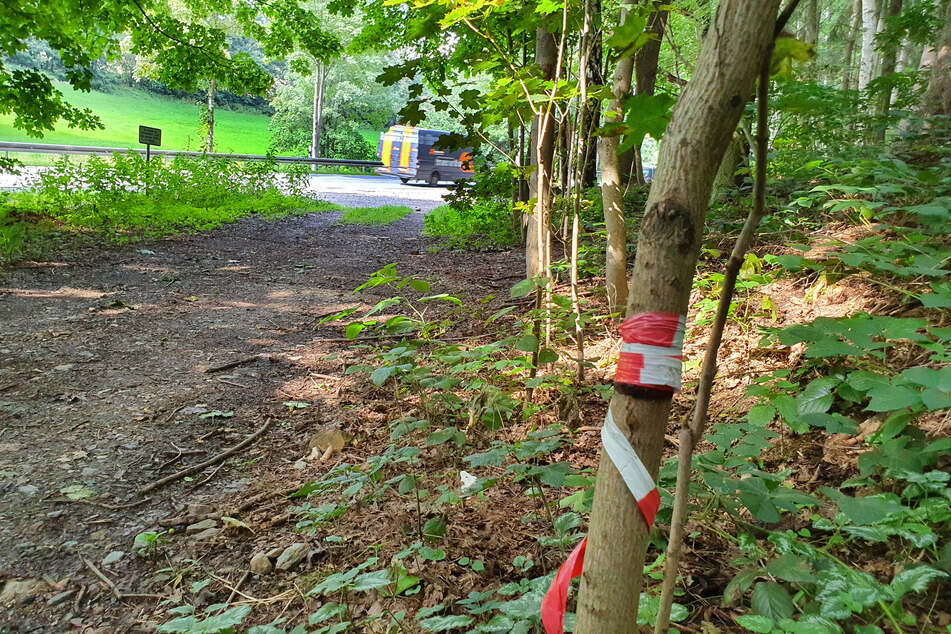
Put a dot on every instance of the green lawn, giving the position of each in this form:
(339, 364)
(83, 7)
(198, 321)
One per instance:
(124, 110)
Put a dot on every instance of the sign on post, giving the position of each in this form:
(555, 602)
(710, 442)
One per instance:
(150, 136)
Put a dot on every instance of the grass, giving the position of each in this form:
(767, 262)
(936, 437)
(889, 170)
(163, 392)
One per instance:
(382, 215)
(125, 109)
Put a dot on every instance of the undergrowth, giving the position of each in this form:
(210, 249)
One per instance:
(382, 215)
(127, 199)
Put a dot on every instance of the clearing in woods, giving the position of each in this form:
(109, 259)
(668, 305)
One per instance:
(112, 377)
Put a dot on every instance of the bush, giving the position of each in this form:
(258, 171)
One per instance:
(479, 212)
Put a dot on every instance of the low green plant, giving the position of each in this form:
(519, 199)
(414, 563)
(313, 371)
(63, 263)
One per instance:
(383, 215)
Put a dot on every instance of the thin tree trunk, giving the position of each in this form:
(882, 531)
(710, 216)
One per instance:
(317, 122)
(937, 99)
(645, 75)
(591, 107)
(700, 129)
(850, 45)
(211, 114)
(893, 8)
(810, 22)
(869, 26)
(543, 146)
(612, 193)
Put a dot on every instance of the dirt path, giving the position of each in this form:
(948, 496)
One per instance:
(103, 359)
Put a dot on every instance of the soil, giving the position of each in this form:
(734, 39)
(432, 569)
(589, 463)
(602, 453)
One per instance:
(110, 375)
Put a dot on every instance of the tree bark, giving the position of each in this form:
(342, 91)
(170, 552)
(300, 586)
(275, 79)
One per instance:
(850, 44)
(591, 108)
(543, 147)
(700, 129)
(892, 8)
(317, 121)
(645, 74)
(212, 84)
(611, 192)
(810, 22)
(937, 99)
(869, 26)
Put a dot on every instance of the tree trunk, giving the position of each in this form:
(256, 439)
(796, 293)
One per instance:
(937, 99)
(892, 8)
(211, 114)
(543, 146)
(612, 194)
(850, 45)
(700, 130)
(810, 22)
(317, 122)
(591, 108)
(869, 26)
(645, 74)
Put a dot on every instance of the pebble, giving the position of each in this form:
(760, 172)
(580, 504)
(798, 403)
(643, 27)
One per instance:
(206, 535)
(292, 556)
(62, 596)
(260, 564)
(198, 527)
(28, 489)
(15, 591)
(112, 557)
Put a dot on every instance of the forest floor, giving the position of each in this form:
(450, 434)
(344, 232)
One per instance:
(107, 371)
(121, 366)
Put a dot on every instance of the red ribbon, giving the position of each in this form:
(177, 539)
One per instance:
(553, 605)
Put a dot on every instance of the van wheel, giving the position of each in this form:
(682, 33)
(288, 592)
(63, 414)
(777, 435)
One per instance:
(434, 178)
(404, 179)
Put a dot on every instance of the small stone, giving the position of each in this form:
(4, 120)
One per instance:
(206, 535)
(196, 510)
(260, 564)
(275, 552)
(62, 596)
(28, 489)
(112, 557)
(200, 526)
(300, 464)
(66, 367)
(292, 556)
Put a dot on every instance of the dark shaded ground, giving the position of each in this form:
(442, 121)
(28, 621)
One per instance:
(103, 359)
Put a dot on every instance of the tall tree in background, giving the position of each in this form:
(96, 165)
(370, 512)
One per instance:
(937, 99)
(537, 256)
(702, 124)
(869, 28)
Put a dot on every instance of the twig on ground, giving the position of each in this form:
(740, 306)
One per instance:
(207, 463)
(169, 418)
(109, 582)
(239, 362)
(328, 313)
(237, 586)
(205, 481)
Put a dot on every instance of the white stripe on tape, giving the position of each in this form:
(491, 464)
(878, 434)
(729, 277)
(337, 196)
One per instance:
(625, 459)
(654, 351)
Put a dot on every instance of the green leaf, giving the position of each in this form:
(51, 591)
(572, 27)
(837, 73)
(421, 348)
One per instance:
(381, 374)
(761, 415)
(867, 510)
(371, 581)
(817, 397)
(523, 288)
(547, 355)
(893, 397)
(791, 568)
(327, 611)
(446, 623)
(432, 554)
(77, 492)
(739, 584)
(353, 330)
(434, 528)
(915, 580)
(755, 623)
(527, 343)
(772, 600)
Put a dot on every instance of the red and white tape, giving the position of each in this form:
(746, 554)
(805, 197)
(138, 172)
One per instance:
(645, 492)
(652, 352)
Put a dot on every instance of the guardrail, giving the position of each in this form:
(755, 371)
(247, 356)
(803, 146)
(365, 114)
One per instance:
(47, 148)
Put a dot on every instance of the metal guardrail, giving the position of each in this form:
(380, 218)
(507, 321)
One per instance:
(46, 148)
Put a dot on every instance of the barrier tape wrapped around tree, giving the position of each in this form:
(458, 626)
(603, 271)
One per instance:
(651, 359)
